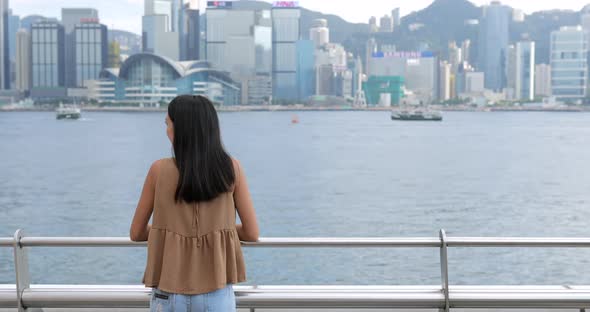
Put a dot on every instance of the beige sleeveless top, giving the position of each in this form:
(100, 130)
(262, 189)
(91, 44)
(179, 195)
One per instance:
(192, 248)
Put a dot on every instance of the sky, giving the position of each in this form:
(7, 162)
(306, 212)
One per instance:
(126, 14)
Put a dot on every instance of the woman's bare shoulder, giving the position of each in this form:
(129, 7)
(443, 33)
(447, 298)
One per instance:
(159, 164)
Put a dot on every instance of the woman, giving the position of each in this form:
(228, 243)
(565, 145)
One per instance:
(194, 254)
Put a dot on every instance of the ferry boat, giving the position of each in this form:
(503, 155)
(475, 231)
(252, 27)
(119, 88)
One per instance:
(416, 115)
(68, 112)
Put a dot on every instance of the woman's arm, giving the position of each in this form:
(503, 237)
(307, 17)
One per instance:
(140, 228)
(247, 231)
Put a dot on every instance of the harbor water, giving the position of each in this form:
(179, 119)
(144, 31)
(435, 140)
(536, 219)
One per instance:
(345, 174)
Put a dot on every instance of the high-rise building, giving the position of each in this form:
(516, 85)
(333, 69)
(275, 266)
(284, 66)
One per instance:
(285, 34)
(70, 17)
(373, 24)
(305, 68)
(13, 28)
(396, 18)
(525, 70)
(325, 80)
(386, 24)
(466, 51)
(419, 70)
(468, 82)
(543, 80)
(455, 56)
(332, 53)
(445, 81)
(510, 68)
(23, 61)
(585, 22)
(569, 63)
(91, 51)
(330, 57)
(189, 31)
(48, 59)
(493, 42)
(319, 32)
(239, 41)
(343, 84)
(4, 46)
(158, 30)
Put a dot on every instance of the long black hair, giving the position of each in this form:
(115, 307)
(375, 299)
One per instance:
(205, 169)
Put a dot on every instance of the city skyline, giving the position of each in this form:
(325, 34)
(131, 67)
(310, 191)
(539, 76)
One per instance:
(126, 14)
(252, 55)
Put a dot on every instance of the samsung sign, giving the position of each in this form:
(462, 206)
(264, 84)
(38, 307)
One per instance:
(405, 54)
(285, 4)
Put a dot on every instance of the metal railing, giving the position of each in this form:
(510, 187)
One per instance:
(444, 297)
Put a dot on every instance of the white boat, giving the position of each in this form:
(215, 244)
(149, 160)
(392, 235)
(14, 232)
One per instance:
(68, 112)
(416, 115)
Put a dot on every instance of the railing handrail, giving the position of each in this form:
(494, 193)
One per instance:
(360, 242)
(443, 297)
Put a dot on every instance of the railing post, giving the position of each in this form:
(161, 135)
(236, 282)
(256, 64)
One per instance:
(444, 268)
(21, 268)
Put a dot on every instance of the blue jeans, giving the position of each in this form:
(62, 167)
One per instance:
(221, 300)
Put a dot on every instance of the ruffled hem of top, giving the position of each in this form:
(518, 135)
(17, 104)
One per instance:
(193, 265)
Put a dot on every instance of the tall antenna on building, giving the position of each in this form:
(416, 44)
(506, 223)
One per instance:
(360, 100)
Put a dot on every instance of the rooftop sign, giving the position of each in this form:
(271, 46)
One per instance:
(285, 4)
(219, 4)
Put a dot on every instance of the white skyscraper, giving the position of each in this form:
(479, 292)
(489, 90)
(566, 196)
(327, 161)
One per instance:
(319, 32)
(525, 70)
(569, 66)
(23, 60)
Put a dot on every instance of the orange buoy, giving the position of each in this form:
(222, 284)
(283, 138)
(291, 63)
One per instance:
(294, 119)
